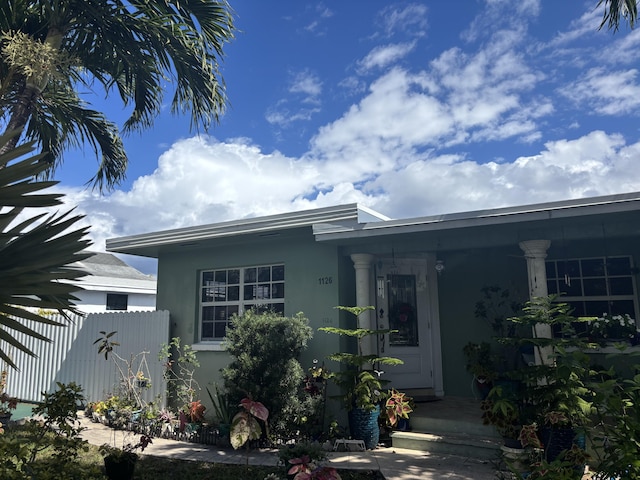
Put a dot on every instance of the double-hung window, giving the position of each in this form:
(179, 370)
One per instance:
(225, 292)
(594, 286)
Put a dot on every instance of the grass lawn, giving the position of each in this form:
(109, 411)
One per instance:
(90, 466)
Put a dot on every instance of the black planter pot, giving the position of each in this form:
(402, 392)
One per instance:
(556, 440)
(120, 467)
(363, 425)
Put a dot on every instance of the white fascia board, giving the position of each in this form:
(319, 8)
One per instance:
(345, 213)
(536, 212)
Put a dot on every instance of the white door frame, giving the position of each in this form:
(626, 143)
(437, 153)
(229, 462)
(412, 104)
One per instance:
(423, 267)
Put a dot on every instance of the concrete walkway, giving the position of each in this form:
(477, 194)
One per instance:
(394, 463)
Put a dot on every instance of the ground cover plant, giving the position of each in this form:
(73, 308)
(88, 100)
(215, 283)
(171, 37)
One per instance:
(89, 466)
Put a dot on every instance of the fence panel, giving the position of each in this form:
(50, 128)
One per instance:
(73, 357)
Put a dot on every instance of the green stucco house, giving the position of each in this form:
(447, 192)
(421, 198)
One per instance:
(423, 275)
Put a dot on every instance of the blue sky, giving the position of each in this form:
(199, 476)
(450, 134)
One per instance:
(409, 108)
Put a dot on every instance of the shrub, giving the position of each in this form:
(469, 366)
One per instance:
(48, 447)
(265, 347)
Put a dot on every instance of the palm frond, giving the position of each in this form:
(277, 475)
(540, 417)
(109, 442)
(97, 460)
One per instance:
(35, 253)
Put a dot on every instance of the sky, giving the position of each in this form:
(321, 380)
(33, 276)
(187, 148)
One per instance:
(408, 108)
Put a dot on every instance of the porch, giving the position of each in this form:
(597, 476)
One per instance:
(449, 425)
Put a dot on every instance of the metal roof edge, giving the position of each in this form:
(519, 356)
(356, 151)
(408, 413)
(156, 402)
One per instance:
(342, 213)
(539, 211)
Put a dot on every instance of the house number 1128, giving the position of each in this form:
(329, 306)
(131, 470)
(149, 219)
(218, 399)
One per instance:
(325, 280)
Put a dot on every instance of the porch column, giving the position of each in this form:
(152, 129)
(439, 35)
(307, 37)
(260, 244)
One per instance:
(362, 263)
(535, 251)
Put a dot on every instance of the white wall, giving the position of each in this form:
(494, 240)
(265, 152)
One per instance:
(96, 301)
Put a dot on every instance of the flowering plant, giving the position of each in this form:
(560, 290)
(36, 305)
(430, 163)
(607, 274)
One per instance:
(614, 327)
(7, 403)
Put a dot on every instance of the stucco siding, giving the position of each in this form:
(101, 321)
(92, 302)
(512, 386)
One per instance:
(459, 288)
(312, 286)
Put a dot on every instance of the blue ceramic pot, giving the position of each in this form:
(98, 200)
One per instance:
(363, 425)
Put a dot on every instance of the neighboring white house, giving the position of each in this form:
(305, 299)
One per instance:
(112, 285)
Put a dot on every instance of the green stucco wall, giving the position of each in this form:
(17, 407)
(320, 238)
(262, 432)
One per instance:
(459, 288)
(320, 276)
(312, 286)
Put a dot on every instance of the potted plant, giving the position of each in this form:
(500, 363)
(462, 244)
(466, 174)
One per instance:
(120, 463)
(397, 408)
(360, 380)
(481, 364)
(7, 403)
(505, 415)
(553, 392)
(223, 410)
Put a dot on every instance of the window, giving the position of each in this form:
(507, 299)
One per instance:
(593, 286)
(117, 301)
(234, 290)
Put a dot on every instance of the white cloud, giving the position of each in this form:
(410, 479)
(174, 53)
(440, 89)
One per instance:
(384, 55)
(308, 84)
(200, 181)
(403, 145)
(305, 89)
(609, 93)
(410, 19)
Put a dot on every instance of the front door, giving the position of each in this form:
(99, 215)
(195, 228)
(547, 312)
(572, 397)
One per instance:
(403, 304)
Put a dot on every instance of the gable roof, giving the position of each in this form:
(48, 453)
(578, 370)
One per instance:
(105, 271)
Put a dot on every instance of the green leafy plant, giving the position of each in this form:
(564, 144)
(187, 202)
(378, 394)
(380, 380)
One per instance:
(553, 401)
(313, 450)
(481, 361)
(55, 434)
(265, 348)
(360, 381)
(504, 415)
(35, 252)
(133, 375)
(223, 407)
(617, 425)
(7, 402)
(180, 363)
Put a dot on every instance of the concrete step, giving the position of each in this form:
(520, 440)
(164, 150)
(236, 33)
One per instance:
(472, 446)
(444, 426)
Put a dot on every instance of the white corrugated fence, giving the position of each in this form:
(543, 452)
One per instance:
(73, 357)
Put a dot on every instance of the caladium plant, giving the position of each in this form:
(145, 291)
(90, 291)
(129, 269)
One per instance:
(303, 469)
(245, 425)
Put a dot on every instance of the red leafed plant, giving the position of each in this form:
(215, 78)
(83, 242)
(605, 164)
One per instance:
(245, 425)
(305, 470)
(398, 405)
(196, 411)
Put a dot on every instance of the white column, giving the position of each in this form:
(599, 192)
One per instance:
(535, 251)
(362, 263)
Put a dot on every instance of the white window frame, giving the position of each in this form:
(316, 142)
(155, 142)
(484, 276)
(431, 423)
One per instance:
(251, 289)
(605, 276)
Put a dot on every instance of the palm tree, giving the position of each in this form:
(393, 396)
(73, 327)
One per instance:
(35, 252)
(52, 49)
(616, 10)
